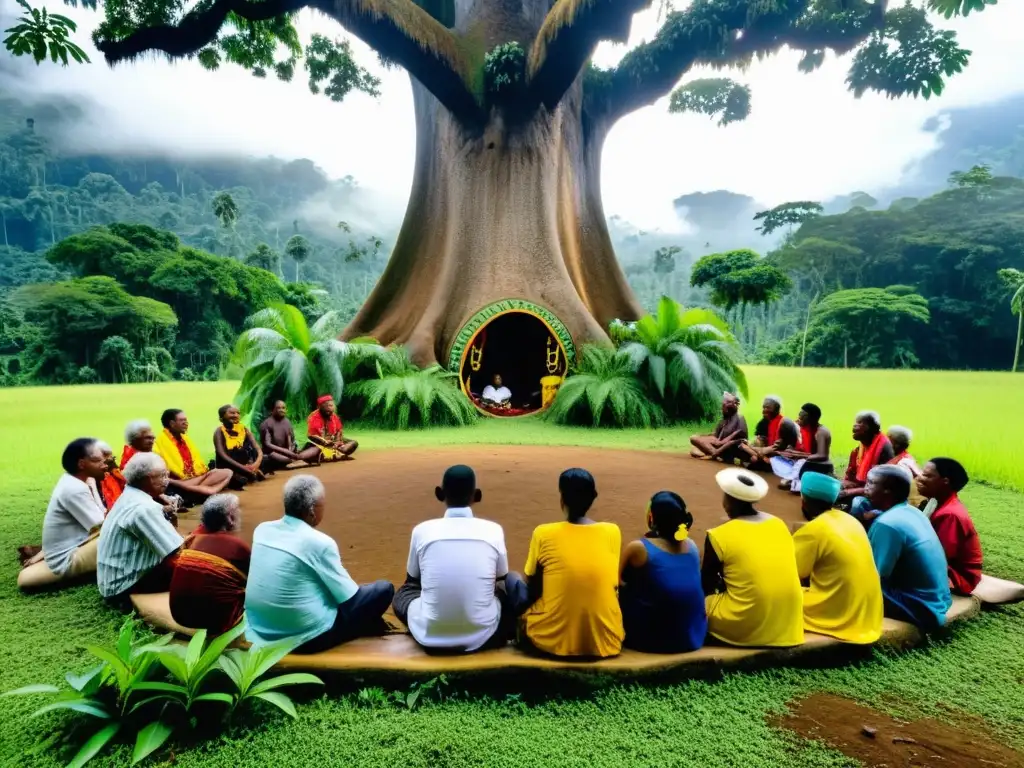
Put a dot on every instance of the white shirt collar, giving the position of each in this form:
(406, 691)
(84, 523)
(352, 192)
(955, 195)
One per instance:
(458, 512)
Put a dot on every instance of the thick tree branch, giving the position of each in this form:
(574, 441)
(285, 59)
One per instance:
(566, 41)
(398, 29)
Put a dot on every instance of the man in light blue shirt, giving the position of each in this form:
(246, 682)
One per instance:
(297, 586)
(910, 560)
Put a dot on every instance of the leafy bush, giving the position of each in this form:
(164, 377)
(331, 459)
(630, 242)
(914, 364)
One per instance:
(186, 374)
(86, 375)
(504, 71)
(402, 396)
(603, 389)
(126, 696)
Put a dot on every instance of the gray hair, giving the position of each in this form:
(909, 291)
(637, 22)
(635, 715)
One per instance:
(895, 478)
(134, 429)
(141, 466)
(104, 447)
(218, 512)
(773, 399)
(904, 434)
(871, 417)
(301, 494)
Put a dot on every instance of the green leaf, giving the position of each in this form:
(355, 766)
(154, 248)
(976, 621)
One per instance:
(224, 698)
(118, 667)
(297, 678)
(218, 646)
(165, 687)
(173, 663)
(31, 689)
(85, 706)
(79, 682)
(279, 700)
(162, 697)
(94, 745)
(150, 739)
(194, 651)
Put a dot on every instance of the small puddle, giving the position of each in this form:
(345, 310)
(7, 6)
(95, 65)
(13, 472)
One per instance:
(879, 741)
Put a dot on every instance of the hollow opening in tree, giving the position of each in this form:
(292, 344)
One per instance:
(524, 351)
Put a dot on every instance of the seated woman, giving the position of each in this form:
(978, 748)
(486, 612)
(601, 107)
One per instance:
(208, 583)
(660, 594)
(325, 431)
(754, 597)
(237, 449)
(113, 482)
(572, 579)
(189, 476)
(901, 437)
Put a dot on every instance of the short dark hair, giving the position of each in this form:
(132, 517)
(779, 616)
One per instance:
(168, 416)
(458, 485)
(668, 512)
(76, 450)
(896, 480)
(811, 410)
(224, 409)
(578, 491)
(953, 471)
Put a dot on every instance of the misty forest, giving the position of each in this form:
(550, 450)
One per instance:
(142, 267)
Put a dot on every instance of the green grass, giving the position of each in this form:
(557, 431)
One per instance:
(977, 670)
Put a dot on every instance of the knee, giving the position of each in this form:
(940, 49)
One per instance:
(384, 589)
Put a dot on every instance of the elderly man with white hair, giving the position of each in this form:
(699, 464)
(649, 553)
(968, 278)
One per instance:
(901, 438)
(773, 435)
(298, 590)
(873, 449)
(138, 544)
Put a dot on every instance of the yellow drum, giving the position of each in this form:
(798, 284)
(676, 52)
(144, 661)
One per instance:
(548, 389)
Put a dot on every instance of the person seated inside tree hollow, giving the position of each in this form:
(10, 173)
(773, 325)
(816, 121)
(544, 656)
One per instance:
(773, 434)
(277, 436)
(325, 431)
(138, 545)
(811, 453)
(901, 438)
(908, 554)
(454, 597)
(298, 589)
(208, 583)
(730, 432)
(572, 574)
(754, 597)
(237, 449)
(189, 476)
(72, 520)
(496, 394)
(659, 591)
(873, 449)
(844, 597)
(113, 482)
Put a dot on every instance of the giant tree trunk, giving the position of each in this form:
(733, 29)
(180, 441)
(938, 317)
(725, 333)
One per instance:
(513, 211)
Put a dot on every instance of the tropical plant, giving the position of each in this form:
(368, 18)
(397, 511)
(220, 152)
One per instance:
(739, 278)
(787, 215)
(285, 358)
(603, 389)
(687, 358)
(225, 209)
(1014, 280)
(403, 395)
(298, 249)
(41, 33)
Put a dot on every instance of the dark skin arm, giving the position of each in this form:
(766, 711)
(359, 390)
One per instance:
(633, 556)
(822, 448)
(535, 585)
(225, 460)
(711, 569)
(254, 444)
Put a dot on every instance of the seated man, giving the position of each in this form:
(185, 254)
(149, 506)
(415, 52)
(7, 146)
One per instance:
(138, 545)
(730, 432)
(325, 431)
(454, 594)
(811, 453)
(774, 434)
(844, 599)
(496, 394)
(208, 584)
(277, 436)
(138, 438)
(872, 450)
(908, 554)
(298, 589)
(901, 437)
(113, 481)
(72, 520)
(572, 575)
(189, 476)
(237, 449)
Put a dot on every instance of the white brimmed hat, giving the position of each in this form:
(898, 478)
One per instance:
(742, 485)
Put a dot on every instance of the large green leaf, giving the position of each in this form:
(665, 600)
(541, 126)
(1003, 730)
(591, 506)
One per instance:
(150, 739)
(297, 678)
(194, 652)
(223, 698)
(279, 700)
(86, 706)
(31, 689)
(218, 645)
(117, 666)
(94, 745)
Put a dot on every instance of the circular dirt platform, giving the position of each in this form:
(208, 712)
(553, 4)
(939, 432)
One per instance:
(374, 501)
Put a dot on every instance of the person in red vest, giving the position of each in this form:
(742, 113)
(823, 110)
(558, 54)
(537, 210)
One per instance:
(773, 435)
(874, 448)
(942, 480)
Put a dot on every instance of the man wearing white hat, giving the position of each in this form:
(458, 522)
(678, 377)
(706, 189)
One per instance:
(754, 597)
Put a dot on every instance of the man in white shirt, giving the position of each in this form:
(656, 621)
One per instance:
(72, 518)
(454, 593)
(497, 393)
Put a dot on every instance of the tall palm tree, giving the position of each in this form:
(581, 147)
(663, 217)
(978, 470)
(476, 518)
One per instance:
(688, 358)
(225, 209)
(298, 249)
(1014, 280)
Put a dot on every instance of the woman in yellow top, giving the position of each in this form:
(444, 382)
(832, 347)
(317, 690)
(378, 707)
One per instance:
(572, 576)
(754, 597)
(844, 599)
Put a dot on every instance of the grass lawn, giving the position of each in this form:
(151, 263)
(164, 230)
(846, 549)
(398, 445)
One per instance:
(976, 671)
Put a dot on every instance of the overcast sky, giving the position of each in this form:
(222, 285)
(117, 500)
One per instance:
(806, 137)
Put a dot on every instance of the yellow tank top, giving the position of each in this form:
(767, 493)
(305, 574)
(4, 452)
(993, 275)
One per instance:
(763, 601)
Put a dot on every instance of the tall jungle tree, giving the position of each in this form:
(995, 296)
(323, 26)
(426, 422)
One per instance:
(511, 120)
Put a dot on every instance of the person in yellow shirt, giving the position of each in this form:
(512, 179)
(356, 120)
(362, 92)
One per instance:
(572, 576)
(844, 599)
(754, 597)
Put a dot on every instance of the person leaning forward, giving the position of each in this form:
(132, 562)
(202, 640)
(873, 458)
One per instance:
(277, 436)
(730, 432)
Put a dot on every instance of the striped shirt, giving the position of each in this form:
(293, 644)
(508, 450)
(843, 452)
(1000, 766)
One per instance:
(135, 538)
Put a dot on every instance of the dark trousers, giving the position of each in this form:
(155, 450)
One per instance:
(512, 596)
(359, 616)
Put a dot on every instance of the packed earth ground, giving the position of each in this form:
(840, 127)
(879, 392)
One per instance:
(971, 677)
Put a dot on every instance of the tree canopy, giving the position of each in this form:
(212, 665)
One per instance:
(739, 278)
